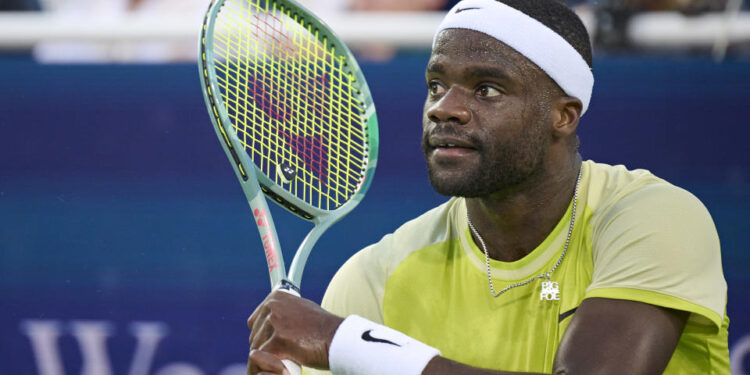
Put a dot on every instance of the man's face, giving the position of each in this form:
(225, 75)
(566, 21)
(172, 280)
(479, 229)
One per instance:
(485, 122)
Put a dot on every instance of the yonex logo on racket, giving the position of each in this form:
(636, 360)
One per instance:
(261, 216)
(286, 171)
(270, 248)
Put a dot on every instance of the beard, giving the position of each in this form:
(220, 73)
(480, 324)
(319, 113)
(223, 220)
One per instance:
(502, 164)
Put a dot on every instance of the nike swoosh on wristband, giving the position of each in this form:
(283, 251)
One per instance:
(367, 337)
(459, 10)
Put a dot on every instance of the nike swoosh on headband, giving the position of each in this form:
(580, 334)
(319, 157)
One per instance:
(459, 10)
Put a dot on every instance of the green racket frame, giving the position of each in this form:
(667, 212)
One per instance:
(254, 183)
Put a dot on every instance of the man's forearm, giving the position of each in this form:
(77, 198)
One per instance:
(444, 366)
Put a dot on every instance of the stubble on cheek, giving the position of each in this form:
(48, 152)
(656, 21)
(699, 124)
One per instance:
(497, 165)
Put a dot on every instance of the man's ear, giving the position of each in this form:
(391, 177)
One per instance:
(566, 111)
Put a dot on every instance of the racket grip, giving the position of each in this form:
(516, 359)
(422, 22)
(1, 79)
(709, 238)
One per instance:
(293, 367)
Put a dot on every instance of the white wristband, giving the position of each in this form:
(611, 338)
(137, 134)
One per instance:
(362, 347)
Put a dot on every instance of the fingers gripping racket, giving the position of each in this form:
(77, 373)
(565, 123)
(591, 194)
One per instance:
(294, 115)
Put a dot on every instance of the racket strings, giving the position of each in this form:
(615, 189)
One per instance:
(291, 101)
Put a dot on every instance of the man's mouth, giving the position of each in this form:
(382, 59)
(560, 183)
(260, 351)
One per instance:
(450, 142)
(446, 149)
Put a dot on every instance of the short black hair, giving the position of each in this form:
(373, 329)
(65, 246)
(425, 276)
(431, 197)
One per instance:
(561, 19)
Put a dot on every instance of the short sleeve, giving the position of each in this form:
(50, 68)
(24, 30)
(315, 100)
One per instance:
(356, 288)
(658, 245)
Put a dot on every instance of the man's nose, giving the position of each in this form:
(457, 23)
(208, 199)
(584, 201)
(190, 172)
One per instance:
(452, 107)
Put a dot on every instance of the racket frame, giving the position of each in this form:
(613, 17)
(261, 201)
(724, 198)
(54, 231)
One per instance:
(256, 184)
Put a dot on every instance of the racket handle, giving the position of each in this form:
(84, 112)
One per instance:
(293, 367)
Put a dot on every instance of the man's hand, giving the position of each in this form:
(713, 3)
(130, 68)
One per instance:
(289, 327)
(262, 363)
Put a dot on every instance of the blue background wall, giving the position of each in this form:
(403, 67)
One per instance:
(117, 204)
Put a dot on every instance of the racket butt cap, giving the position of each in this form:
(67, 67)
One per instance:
(293, 368)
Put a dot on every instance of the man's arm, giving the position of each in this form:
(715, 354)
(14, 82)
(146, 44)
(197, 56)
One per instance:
(623, 336)
(605, 336)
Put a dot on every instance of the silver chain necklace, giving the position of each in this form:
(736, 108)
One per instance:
(545, 275)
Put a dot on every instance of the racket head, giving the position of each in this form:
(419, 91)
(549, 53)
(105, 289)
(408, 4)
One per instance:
(286, 95)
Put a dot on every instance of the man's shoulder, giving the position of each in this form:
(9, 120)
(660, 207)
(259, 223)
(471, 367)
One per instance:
(359, 285)
(655, 243)
(430, 228)
(607, 183)
(615, 187)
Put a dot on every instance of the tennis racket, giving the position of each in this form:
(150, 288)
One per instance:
(294, 115)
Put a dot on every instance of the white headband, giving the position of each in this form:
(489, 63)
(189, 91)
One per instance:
(537, 42)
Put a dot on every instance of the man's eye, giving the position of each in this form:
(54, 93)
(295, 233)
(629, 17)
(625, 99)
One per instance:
(488, 91)
(435, 88)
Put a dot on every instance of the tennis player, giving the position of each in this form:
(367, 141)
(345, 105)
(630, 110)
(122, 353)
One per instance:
(540, 262)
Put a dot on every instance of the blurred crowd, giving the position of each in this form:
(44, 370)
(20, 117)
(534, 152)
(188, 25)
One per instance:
(609, 33)
(687, 6)
(320, 5)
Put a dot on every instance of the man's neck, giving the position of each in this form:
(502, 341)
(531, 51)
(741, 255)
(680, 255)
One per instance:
(515, 221)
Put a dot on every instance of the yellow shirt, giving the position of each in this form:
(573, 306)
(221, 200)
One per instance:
(636, 237)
